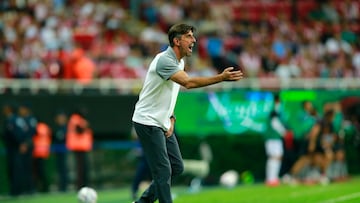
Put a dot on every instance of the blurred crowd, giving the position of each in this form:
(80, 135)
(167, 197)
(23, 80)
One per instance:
(86, 39)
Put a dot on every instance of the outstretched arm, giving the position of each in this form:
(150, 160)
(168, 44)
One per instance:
(184, 80)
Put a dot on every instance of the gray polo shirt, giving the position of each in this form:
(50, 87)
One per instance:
(158, 95)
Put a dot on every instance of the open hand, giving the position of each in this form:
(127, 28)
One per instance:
(229, 74)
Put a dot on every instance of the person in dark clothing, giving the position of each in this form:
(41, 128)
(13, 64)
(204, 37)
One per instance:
(307, 118)
(25, 129)
(325, 145)
(60, 150)
(9, 143)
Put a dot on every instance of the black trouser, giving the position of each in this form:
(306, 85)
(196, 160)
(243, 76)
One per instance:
(22, 175)
(164, 159)
(40, 175)
(61, 167)
(292, 155)
(10, 157)
(82, 169)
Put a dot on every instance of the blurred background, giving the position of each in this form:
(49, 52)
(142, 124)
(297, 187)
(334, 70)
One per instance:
(60, 56)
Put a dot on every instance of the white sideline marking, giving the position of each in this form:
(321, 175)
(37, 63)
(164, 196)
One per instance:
(343, 198)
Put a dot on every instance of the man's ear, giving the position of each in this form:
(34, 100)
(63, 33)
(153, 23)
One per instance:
(177, 41)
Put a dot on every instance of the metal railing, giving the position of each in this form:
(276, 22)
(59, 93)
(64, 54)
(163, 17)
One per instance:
(133, 86)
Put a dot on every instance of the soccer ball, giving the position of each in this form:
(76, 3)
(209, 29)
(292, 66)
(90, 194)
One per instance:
(229, 179)
(87, 195)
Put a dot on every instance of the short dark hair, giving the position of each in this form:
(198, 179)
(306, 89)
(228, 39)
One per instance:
(177, 30)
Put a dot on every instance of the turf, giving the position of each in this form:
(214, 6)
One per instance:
(345, 192)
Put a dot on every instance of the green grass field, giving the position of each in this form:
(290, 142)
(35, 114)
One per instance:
(345, 192)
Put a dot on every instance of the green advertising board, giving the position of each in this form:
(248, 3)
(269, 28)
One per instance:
(238, 112)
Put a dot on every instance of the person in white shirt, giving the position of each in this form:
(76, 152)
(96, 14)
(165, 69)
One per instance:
(153, 117)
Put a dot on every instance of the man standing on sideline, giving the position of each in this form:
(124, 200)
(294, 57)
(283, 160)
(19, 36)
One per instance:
(274, 145)
(60, 151)
(153, 117)
(79, 140)
(9, 143)
(25, 129)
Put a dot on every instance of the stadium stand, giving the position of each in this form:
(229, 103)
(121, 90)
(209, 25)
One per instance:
(38, 37)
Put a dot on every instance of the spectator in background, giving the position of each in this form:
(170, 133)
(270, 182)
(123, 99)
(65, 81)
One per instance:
(279, 45)
(83, 67)
(152, 38)
(171, 12)
(307, 63)
(135, 62)
(48, 35)
(349, 9)
(335, 45)
(347, 33)
(269, 62)
(150, 11)
(329, 12)
(60, 151)
(41, 152)
(11, 148)
(79, 140)
(286, 69)
(250, 60)
(215, 50)
(356, 60)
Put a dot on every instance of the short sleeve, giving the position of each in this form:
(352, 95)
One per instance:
(166, 67)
